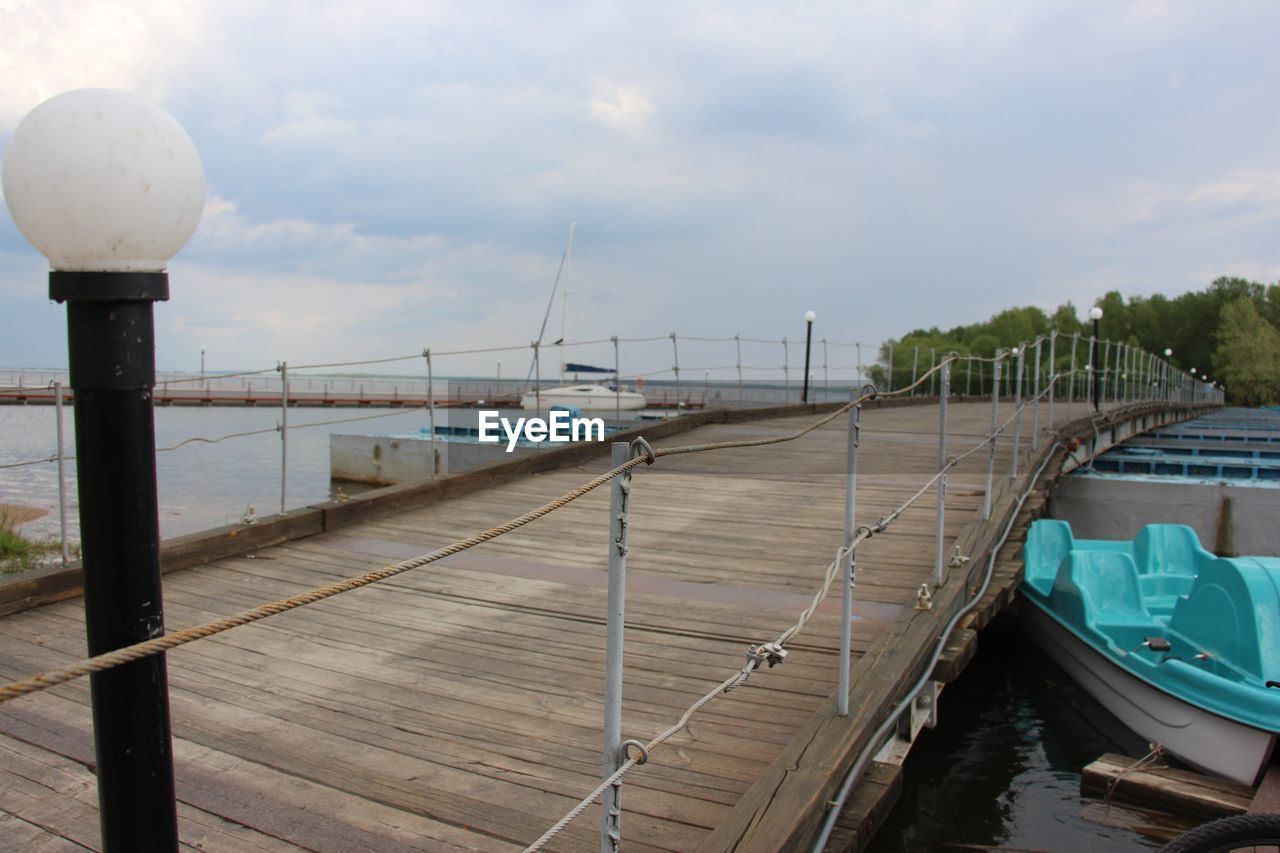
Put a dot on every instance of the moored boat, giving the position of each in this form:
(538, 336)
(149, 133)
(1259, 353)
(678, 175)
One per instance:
(1182, 646)
(585, 398)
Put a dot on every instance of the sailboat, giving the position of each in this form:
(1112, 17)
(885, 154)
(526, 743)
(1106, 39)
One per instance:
(582, 397)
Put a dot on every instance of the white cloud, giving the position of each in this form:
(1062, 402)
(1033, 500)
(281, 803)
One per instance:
(142, 46)
(621, 106)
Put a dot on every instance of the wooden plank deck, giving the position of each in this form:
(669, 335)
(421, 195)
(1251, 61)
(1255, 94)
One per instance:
(459, 706)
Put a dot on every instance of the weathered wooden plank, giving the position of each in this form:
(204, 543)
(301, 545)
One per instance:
(867, 808)
(1119, 777)
(956, 654)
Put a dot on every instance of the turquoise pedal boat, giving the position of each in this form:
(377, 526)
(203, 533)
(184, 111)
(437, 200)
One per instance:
(1182, 646)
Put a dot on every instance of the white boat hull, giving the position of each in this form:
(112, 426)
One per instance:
(586, 398)
(1202, 739)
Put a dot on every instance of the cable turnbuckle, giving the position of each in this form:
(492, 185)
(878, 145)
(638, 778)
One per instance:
(770, 653)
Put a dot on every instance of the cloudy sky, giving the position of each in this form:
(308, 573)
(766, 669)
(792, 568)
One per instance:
(384, 177)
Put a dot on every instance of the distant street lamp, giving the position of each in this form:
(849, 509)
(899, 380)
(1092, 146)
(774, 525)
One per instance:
(809, 317)
(1168, 353)
(1095, 314)
(109, 187)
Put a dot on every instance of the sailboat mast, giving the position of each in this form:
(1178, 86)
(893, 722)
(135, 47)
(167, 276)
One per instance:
(564, 296)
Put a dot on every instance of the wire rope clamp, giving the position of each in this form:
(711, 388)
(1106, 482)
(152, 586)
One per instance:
(957, 559)
(640, 447)
(624, 751)
(924, 601)
(770, 653)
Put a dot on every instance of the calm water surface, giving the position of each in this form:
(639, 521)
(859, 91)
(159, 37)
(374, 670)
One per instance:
(201, 484)
(1002, 769)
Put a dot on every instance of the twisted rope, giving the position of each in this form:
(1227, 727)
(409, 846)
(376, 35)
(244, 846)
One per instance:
(128, 654)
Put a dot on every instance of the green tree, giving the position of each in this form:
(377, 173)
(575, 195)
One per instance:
(1247, 358)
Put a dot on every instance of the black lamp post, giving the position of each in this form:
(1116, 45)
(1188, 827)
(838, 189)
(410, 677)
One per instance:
(109, 187)
(1095, 314)
(809, 317)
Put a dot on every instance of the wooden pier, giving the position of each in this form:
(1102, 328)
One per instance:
(458, 706)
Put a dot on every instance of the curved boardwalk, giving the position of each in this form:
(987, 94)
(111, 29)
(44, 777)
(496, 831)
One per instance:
(458, 706)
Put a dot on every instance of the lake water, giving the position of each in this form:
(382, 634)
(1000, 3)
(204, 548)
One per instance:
(201, 484)
(1002, 768)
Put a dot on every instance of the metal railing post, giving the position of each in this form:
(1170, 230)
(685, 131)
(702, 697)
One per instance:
(1090, 371)
(786, 372)
(284, 434)
(995, 413)
(62, 477)
(915, 363)
(431, 406)
(826, 379)
(1017, 410)
(617, 383)
(537, 375)
(737, 342)
(619, 494)
(968, 374)
(1101, 387)
(1053, 372)
(1035, 402)
(1118, 390)
(933, 377)
(890, 383)
(1071, 381)
(846, 573)
(675, 367)
(944, 388)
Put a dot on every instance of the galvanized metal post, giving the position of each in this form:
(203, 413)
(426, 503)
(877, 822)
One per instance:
(915, 363)
(933, 377)
(675, 355)
(431, 406)
(537, 377)
(1035, 402)
(995, 413)
(1053, 372)
(857, 348)
(968, 374)
(737, 342)
(1118, 391)
(617, 383)
(944, 387)
(890, 383)
(846, 573)
(826, 379)
(284, 434)
(1017, 411)
(619, 499)
(786, 372)
(62, 477)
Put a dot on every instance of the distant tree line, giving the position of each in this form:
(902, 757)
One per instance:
(1229, 331)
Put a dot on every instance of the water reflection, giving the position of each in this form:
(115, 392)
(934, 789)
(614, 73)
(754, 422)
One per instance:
(1002, 769)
